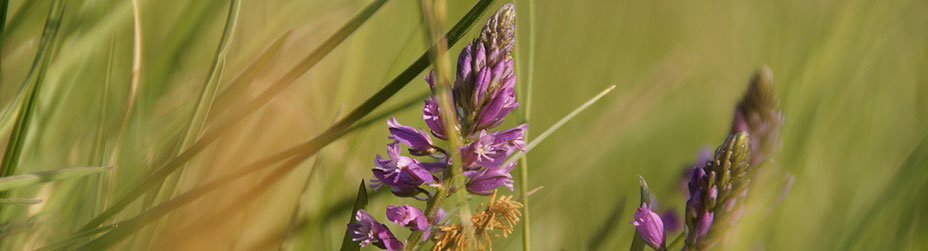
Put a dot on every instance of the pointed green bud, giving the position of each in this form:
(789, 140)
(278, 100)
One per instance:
(759, 114)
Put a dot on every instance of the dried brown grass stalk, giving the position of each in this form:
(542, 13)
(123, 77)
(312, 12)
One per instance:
(502, 214)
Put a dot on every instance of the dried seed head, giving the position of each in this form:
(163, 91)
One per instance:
(502, 214)
(499, 32)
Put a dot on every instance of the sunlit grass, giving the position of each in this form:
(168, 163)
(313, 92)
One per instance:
(261, 82)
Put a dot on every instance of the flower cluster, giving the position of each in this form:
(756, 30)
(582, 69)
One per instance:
(483, 94)
(718, 184)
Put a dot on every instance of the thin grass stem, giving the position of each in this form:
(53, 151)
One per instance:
(531, 145)
(526, 117)
(433, 12)
(26, 179)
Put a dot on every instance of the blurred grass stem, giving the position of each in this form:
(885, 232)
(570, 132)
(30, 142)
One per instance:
(433, 12)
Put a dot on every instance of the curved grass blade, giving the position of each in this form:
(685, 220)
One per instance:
(359, 203)
(237, 87)
(19, 201)
(205, 100)
(212, 134)
(21, 180)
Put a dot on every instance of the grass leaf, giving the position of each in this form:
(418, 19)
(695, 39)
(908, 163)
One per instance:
(359, 203)
(19, 201)
(557, 125)
(21, 180)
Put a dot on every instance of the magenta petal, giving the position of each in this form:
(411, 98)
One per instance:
(650, 226)
(483, 182)
(409, 135)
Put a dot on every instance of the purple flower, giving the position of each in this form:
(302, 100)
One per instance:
(402, 173)
(419, 142)
(649, 226)
(484, 181)
(703, 224)
(433, 118)
(514, 137)
(411, 217)
(368, 231)
(492, 149)
(485, 152)
(500, 102)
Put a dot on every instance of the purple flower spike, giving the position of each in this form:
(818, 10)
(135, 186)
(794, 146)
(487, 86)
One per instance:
(419, 142)
(368, 231)
(484, 181)
(411, 217)
(650, 226)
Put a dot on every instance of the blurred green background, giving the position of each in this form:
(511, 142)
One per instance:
(851, 77)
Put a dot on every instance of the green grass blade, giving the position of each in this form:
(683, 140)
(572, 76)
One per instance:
(19, 201)
(237, 87)
(541, 137)
(4, 5)
(359, 203)
(21, 180)
(212, 134)
(906, 177)
(205, 100)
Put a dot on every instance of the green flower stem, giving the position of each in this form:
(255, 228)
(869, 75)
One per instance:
(433, 13)
(526, 116)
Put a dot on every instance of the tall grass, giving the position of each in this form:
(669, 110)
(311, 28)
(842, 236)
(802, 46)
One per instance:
(233, 98)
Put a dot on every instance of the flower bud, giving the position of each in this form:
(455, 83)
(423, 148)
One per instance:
(650, 226)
